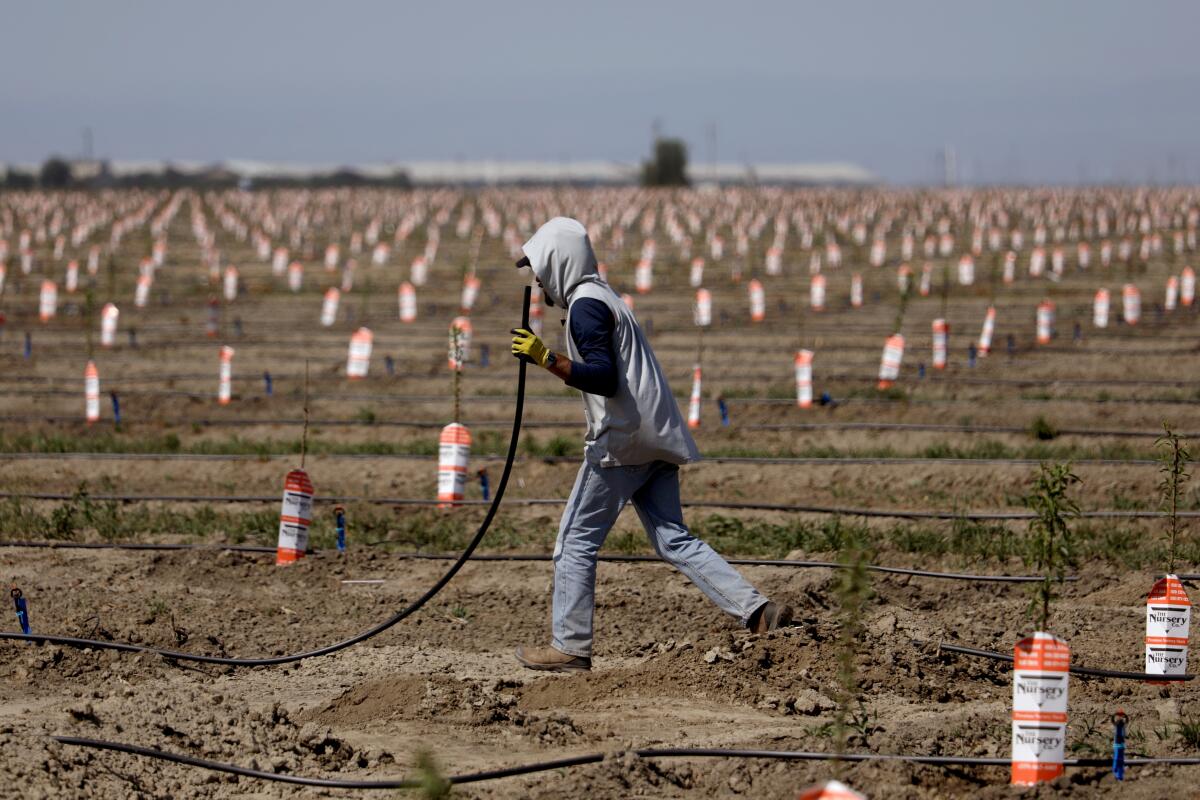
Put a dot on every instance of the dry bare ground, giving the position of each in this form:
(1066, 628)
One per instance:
(669, 670)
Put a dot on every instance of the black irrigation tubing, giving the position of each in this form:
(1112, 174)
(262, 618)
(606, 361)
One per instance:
(558, 501)
(831, 461)
(528, 557)
(753, 562)
(323, 349)
(1090, 672)
(930, 379)
(440, 400)
(484, 525)
(241, 422)
(591, 758)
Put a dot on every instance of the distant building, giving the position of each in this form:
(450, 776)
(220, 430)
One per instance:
(449, 173)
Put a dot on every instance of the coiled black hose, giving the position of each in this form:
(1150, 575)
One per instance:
(178, 655)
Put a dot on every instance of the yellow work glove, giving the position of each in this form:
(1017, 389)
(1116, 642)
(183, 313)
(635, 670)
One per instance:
(526, 344)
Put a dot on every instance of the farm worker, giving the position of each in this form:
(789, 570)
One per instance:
(636, 440)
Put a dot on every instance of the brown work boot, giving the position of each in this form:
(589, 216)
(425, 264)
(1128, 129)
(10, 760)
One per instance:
(550, 660)
(769, 616)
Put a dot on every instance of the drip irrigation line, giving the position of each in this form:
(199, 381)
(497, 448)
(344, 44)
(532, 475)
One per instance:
(752, 562)
(158, 546)
(951, 379)
(532, 557)
(553, 501)
(1084, 433)
(238, 422)
(484, 525)
(1090, 672)
(765, 460)
(742, 401)
(590, 758)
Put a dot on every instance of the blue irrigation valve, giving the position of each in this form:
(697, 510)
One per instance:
(1120, 720)
(116, 404)
(22, 610)
(972, 354)
(1012, 344)
(484, 485)
(267, 384)
(339, 516)
(28, 345)
(390, 365)
(921, 369)
(721, 404)
(485, 358)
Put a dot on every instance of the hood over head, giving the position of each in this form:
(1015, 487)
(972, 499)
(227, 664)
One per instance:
(561, 256)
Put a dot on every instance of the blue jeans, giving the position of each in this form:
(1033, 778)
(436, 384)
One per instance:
(598, 497)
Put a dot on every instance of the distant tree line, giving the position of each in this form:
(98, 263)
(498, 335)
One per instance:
(58, 173)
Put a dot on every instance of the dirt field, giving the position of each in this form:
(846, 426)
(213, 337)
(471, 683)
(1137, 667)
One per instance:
(669, 671)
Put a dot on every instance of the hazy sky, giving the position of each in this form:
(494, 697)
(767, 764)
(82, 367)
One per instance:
(1050, 91)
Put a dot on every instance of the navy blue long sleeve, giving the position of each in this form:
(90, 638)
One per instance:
(592, 329)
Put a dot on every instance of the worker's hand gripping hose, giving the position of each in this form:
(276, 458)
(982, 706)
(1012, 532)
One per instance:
(178, 655)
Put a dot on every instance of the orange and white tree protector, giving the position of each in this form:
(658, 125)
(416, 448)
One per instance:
(889, 364)
(1100, 308)
(989, 329)
(643, 276)
(141, 295)
(470, 292)
(966, 270)
(48, 301)
(454, 450)
(295, 516)
(1041, 674)
(941, 333)
(329, 306)
(295, 276)
(231, 283)
(758, 302)
(1171, 299)
(358, 360)
(816, 292)
(1045, 322)
(1131, 304)
(696, 274)
(693, 419)
(856, 291)
(91, 392)
(225, 377)
(1168, 618)
(1187, 286)
(802, 364)
(460, 342)
(407, 297)
(702, 312)
(831, 790)
(109, 315)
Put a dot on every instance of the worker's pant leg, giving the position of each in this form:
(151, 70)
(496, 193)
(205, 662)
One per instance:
(595, 502)
(657, 504)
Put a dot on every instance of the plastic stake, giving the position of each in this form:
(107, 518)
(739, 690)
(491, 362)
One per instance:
(1120, 719)
(339, 516)
(22, 610)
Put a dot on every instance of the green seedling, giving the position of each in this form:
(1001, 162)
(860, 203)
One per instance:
(1173, 459)
(853, 590)
(1050, 548)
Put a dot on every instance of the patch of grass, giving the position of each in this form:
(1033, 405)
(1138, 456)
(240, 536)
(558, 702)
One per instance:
(1042, 430)
(558, 445)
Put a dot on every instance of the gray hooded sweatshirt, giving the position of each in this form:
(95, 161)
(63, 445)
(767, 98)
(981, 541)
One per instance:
(642, 422)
